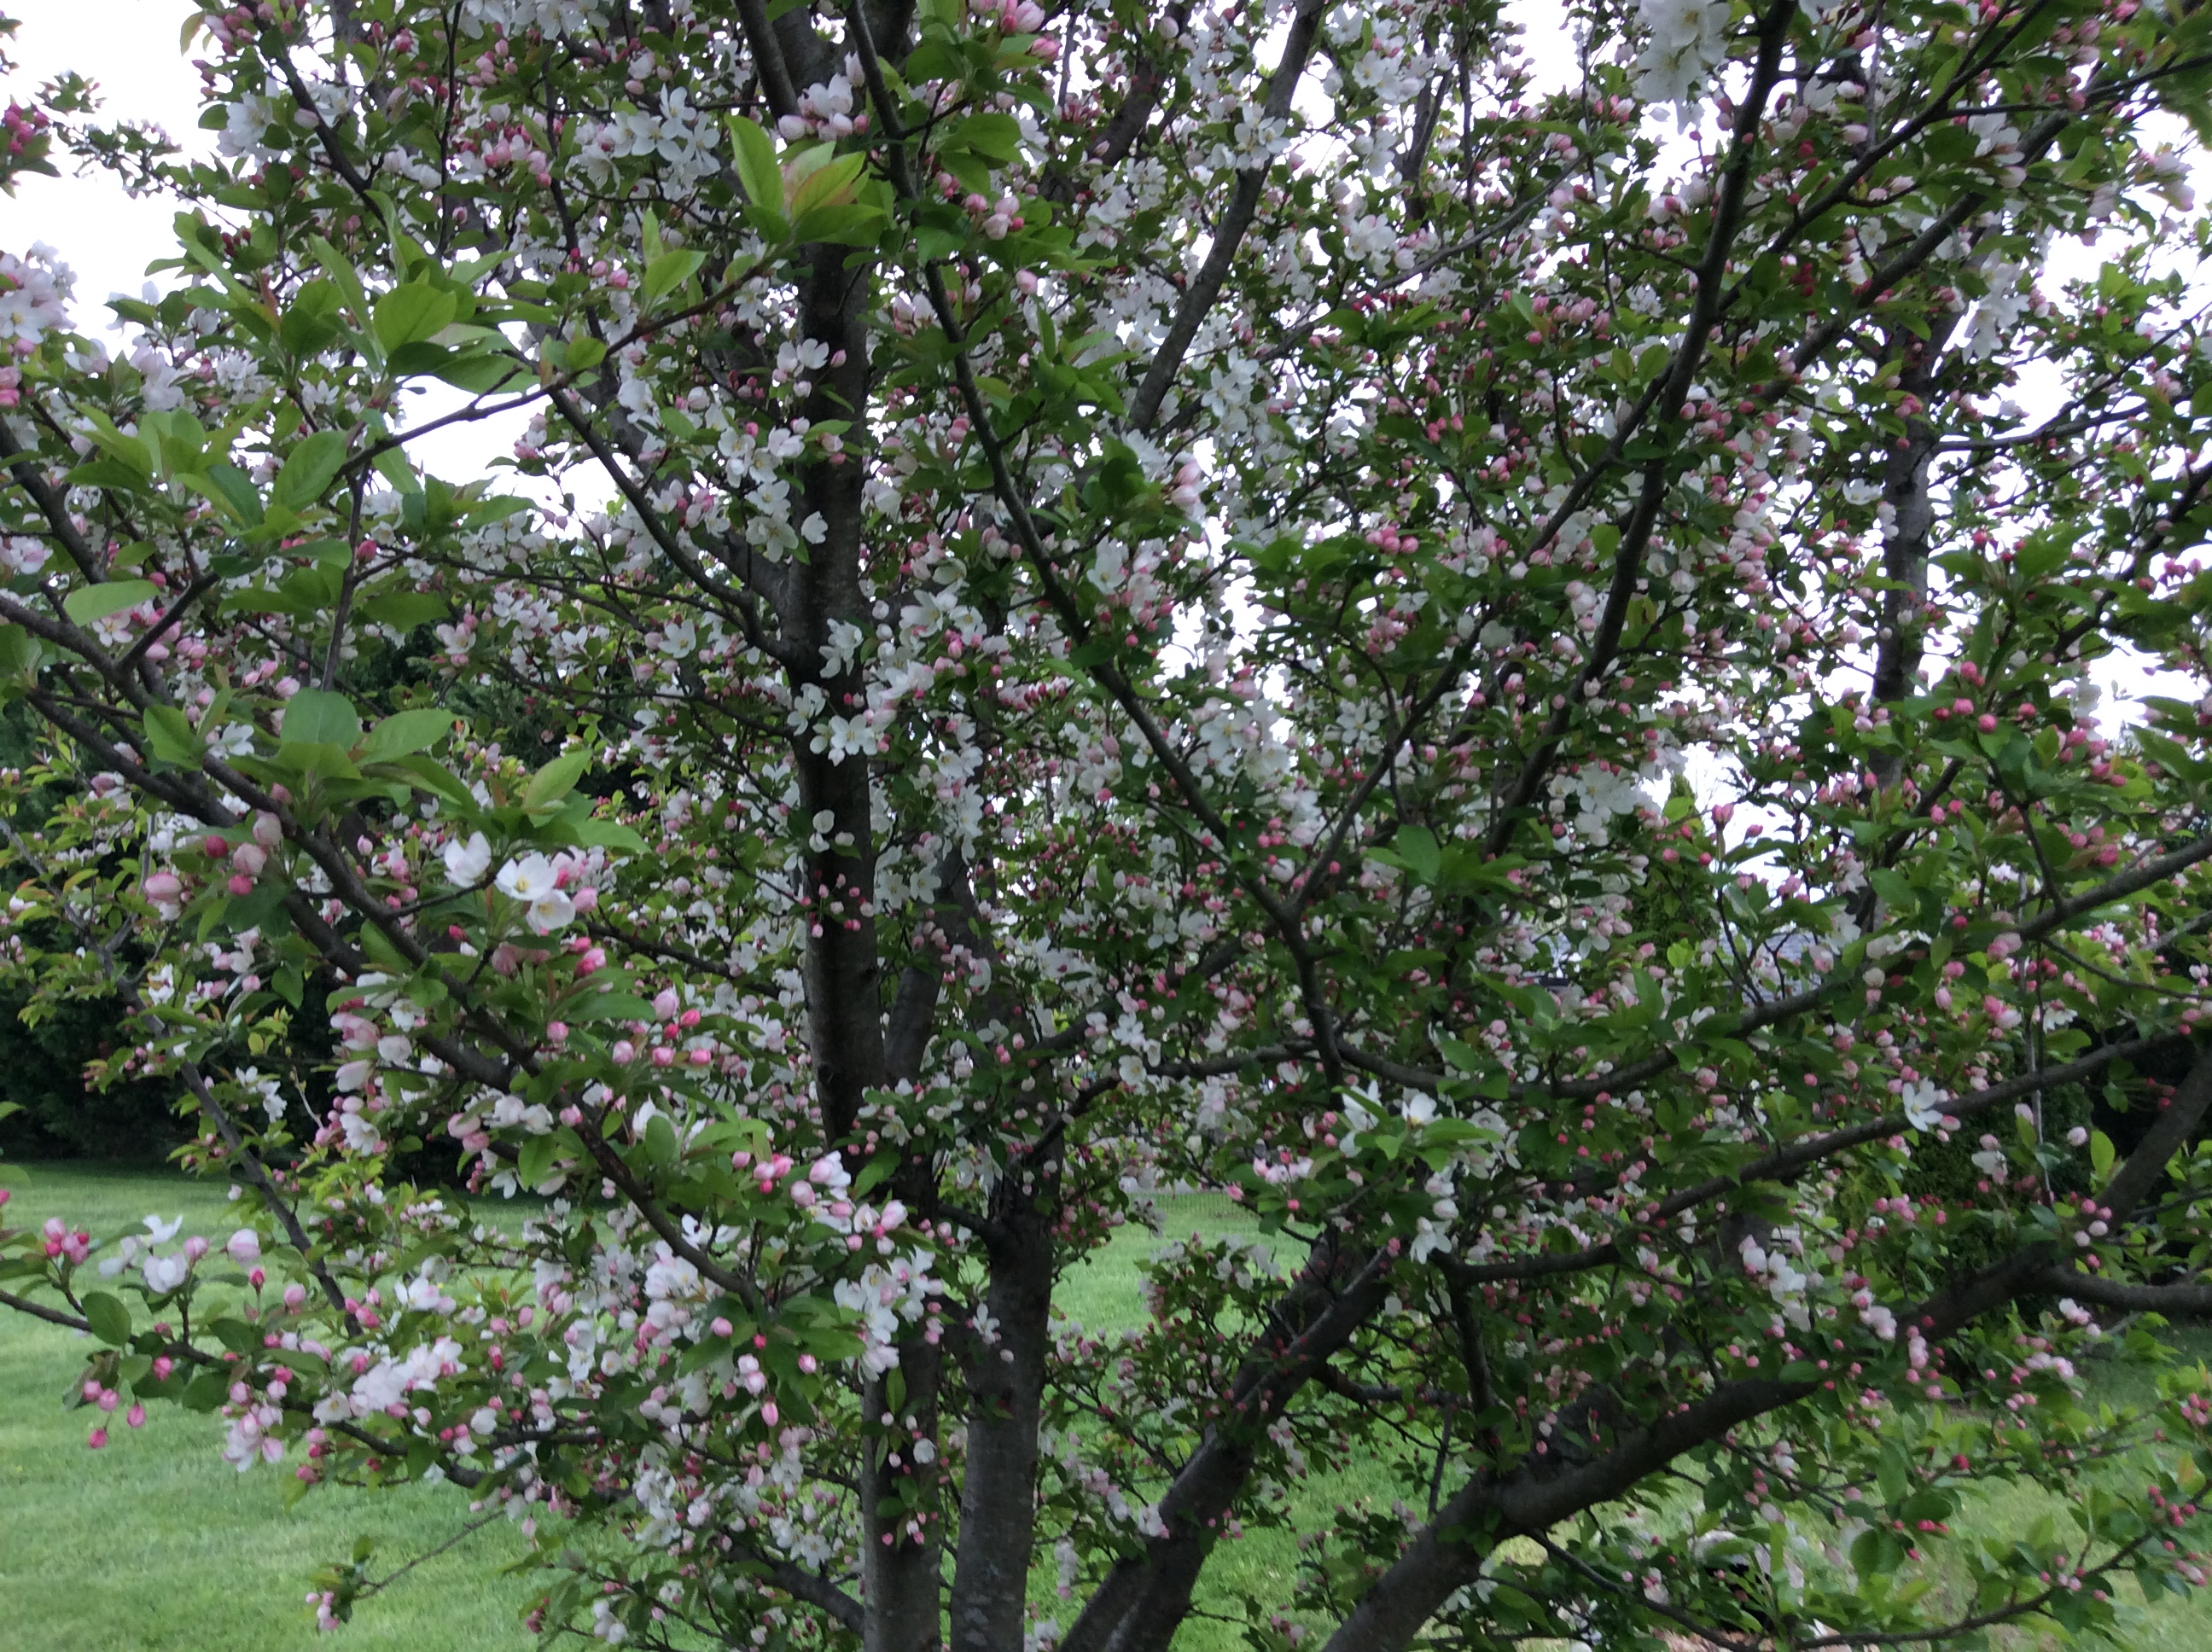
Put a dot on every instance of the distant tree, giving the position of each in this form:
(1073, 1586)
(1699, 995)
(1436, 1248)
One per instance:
(1118, 597)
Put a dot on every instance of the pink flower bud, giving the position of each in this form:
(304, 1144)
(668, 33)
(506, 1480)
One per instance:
(268, 831)
(163, 886)
(666, 1003)
(624, 1052)
(721, 1326)
(295, 1297)
(136, 1415)
(244, 1246)
(556, 1032)
(97, 1439)
(194, 1248)
(770, 1414)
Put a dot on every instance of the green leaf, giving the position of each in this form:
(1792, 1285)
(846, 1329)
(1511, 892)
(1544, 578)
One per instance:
(89, 602)
(555, 782)
(231, 488)
(757, 169)
(107, 473)
(434, 776)
(109, 1319)
(611, 1007)
(313, 321)
(581, 354)
(596, 834)
(477, 371)
(849, 223)
(412, 314)
(535, 1162)
(341, 273)
(992, 135)
(309, 470)
(171, 736)
(1896, 890)
(1417, 847)
(666, 273)
(19, 654)
(2101, 1153)
(405, 609)
(314, 717)
(497, 508)
(939, 236)
(405, 732)
(1893, 1473)
(391, 465)
(829, 184)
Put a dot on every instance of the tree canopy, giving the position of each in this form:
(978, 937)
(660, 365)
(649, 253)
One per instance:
(1111, 599)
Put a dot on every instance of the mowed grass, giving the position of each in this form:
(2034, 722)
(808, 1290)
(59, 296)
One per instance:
(153, 1544)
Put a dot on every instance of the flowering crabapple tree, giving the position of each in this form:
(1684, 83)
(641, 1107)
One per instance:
(1149, 597)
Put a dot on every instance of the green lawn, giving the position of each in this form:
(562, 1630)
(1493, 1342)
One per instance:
(153, 1545)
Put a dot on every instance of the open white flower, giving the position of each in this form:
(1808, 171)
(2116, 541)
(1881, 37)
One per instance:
(164, 1273)
(1357, 1119)
(1924, 1105)
(467, 862)
(528, 879)
(533, 881)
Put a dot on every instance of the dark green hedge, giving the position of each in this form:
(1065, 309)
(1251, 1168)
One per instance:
(42, 1072)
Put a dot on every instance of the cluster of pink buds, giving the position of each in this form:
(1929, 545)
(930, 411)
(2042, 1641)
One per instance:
(74, 1244)
(23, 126)
(996, 219)
(249, 858)
(767, 1171)
(516, 149)
(1018, 17)
(826, 110)
(1390, 539)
